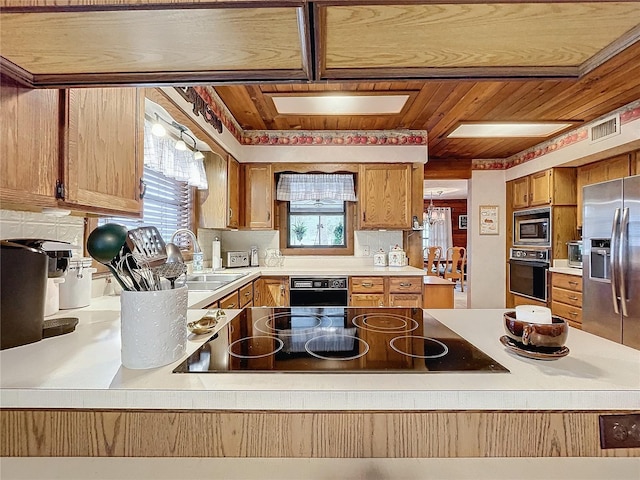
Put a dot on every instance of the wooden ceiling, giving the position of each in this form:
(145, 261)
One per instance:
(461, 60)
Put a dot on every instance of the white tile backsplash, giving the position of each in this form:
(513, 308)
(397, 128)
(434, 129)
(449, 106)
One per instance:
(17, 224)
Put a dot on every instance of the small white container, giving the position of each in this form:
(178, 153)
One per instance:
(153, 327)
(397, 257)
(380, 258)
(75, 292)
(52, 302)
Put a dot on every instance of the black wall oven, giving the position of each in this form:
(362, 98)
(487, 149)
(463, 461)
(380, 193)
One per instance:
(528, 273)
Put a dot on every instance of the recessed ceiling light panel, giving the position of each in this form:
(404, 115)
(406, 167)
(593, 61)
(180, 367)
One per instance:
(340, 104)
(504, 130)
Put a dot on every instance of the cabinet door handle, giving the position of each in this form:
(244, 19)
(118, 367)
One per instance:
(364, 216)
(367, 284)
(143, 188)
(381, 303)
(524, 197)
(230, 212)
(403, 284)
(573, 283)
(268, 216)
(232, 305)
(573, 298)
(282, 288)
(247, 294)
(573, 314)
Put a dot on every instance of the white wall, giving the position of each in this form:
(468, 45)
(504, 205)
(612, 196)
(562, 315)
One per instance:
(486, 253)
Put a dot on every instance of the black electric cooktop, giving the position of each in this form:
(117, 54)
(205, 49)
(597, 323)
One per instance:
(337, 340)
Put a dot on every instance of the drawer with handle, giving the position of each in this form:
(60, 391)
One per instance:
(567, 296)
(569, 282)
(367, 284)
(569, 312)
(246, 294)
(405, 285)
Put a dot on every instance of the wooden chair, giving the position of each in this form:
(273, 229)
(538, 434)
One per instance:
(455, 270)
(434, 254)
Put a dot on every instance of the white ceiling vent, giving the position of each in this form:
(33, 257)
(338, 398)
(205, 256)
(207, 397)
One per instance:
(608, 127)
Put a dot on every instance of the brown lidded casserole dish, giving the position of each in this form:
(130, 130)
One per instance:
(536, 335)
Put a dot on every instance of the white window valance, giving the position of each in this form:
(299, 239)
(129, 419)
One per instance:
(161, 156)
(315, 186)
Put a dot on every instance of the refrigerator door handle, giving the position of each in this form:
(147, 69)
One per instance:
(622, 260)
(615, 253)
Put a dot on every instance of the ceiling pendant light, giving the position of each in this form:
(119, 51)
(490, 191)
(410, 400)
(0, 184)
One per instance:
(180, 145)
(432, 216)
(158, 129)
(198, 155)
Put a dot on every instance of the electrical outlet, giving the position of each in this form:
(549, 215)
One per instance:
(366, 250)
(620, 431)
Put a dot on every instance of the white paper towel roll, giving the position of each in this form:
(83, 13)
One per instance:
(215, 250)
(533, 314)
(153, 327)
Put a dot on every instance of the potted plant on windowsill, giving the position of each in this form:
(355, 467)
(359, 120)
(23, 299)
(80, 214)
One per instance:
(299, 230)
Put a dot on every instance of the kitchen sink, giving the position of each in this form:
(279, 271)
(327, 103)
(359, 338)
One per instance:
(211, 281)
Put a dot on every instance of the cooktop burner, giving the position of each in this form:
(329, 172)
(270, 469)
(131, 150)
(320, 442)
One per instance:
(336, 340)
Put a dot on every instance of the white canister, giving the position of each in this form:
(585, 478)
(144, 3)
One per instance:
(52, 302)
(397, 257)
(380, 258)
(75, 292)
(153, 327)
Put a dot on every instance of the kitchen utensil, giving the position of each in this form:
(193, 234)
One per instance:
(170, 271)
(147, 242)
(105, 244)
(175, 260)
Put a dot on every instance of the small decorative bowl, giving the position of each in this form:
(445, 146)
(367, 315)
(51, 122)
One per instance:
(536, 335)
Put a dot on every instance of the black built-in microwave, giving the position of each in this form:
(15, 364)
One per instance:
(532, 227)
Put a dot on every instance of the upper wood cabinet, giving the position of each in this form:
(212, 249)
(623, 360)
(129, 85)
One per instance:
(105, 149)
(29, 145)
(213, 208)
(258, 196)
(610, 169)
(233, 192)
(555, 186)
(384, 198)
(80, 148)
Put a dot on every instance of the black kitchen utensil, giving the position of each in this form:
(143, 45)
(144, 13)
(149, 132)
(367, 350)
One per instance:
(105, 244)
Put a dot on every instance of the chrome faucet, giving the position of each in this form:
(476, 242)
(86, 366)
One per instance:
(198, 261)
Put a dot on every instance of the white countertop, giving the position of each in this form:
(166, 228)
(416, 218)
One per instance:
(567, 270)
(83, 370)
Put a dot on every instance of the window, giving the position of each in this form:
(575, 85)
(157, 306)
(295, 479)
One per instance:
(166, 206)
(316, 223)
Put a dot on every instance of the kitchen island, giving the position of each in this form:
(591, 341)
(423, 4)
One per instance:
(74, 388)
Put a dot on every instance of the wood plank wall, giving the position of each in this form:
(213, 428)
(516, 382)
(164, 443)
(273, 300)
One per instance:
(458, 207)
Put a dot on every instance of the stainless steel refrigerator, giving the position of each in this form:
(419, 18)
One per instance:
(611, 260)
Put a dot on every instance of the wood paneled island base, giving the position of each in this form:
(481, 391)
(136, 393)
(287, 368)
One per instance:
(296, 434)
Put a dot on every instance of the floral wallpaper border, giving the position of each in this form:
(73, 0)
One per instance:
(338, 138)
(628, 113)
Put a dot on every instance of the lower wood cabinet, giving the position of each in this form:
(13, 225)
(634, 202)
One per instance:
(385, 291)
(566, 298)
(230, 301)
(271, 292)
(246, 295)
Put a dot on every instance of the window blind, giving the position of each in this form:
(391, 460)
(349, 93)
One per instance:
(166, 206)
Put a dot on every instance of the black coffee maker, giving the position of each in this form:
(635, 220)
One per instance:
(25, 265)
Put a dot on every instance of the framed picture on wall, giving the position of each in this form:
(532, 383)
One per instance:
(488, 220)
(462, 222)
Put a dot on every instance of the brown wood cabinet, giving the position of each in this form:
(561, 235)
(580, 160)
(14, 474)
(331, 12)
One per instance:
(385, 291)
(105, 134)
(233, 192)
(29, 145)
(230, 301)
(213, 209)
(555, 186)
(602, 171)
(566, 297)
(246, 295)
(258, 196)
(384, 198)
(80, 149)
(271, 292)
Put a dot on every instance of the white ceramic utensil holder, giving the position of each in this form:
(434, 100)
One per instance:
(153, 327)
